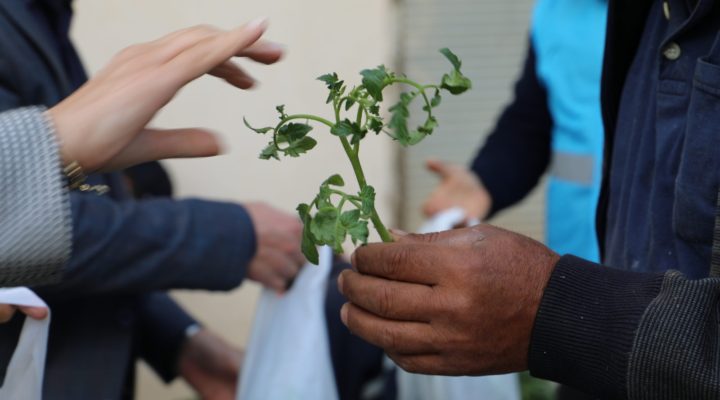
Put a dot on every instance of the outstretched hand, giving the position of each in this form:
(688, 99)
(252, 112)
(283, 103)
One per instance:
(458, 187)
(102, 125)
(461, 302)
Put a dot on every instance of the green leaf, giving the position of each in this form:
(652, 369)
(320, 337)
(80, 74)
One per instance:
(348, 128)
(429, 126)
(329, 79)
(335, 180)
(436, 100)
(334, 84)
(454, 60)
(257, 130)
(359, 232)
(303, 210)
(301, 146)
(375, 80)
(271, 151)
(281, 110)
(343, 128)
(367, 197)
(350, 217)
(308, 246)
(399, 120)
(349, 103)
(456, 83)
(375, 124)
(339, 238)
(357, 229)
(323, 197)
(323, 225)
(292, 132)
(295, 135)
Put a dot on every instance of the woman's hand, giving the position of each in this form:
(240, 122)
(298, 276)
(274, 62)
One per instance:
(102, 125)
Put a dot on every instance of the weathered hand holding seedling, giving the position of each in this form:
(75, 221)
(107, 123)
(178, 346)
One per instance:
(332, 223)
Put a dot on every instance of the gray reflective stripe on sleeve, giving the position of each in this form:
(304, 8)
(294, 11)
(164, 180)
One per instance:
(715, 264)
(573, 167)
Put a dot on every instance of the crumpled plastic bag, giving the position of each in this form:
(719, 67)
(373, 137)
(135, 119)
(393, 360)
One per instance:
(288, 357)
(24, 377)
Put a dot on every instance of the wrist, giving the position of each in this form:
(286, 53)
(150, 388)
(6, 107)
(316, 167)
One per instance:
(586, 324)
(73, 169)
(66, 157)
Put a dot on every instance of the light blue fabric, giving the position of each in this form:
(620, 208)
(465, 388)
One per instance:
(569, 40)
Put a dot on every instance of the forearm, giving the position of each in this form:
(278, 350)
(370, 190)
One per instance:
(625, 335)
(161, 333)
(136, 247)
(35, 226)
(517, 151)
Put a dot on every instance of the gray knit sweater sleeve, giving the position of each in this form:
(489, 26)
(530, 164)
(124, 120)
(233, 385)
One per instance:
(35, 221)
(676, 354)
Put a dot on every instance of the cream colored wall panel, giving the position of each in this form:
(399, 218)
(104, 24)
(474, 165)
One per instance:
(491, 38)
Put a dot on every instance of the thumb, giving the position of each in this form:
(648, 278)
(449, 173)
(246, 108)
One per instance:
(156, 144)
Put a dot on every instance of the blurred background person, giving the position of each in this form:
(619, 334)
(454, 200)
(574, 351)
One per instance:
(553, 125)
(108, 306)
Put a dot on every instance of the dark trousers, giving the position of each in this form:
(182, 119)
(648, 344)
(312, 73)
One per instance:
(568, 393)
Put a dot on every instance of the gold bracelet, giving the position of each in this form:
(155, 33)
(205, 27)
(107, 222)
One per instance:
(77, 180)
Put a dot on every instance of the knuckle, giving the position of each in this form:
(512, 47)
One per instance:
(128, 52)
(384, 302)
(348, 286)
(408, 364)
(388, 339)
(200, 29)
(427, 238)
(396, 261)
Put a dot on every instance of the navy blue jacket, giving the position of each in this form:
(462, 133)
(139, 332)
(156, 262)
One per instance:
(108, 308)
(658, 210)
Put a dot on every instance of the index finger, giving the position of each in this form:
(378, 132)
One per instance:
(407, 262)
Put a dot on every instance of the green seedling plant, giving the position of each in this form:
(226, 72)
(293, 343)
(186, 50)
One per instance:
(334, 214)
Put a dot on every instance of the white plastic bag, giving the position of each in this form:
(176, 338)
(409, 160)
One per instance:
(288, 357)
(24, 377)
(426, 387)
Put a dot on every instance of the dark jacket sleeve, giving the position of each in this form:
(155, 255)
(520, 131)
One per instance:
(132, 247)
(517, 152)
(129, 247)
(161, 328)
(625, 335)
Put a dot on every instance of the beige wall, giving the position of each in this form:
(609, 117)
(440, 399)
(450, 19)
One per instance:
(320, 38)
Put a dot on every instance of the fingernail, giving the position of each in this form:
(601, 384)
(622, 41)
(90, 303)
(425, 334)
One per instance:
(277, 46)
(256, 23)
(353, 260)
(221, 143)
(398, 232)
(247, 82)
(340, 282)
(343, 313)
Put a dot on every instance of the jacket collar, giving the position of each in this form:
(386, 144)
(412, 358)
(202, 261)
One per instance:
(18, 13)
